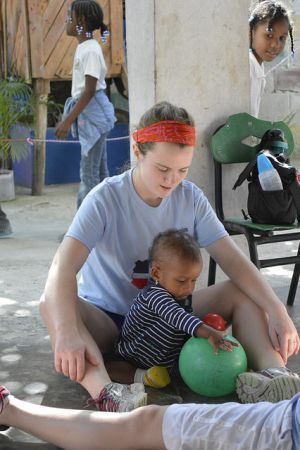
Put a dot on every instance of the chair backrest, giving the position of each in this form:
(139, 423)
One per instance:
(227, 144)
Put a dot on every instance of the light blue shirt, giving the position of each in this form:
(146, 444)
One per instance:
(118, 228)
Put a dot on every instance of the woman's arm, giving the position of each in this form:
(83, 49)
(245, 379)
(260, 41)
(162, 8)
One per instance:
(249, 280)
(61, 285)
(60, 300)
(63, 127)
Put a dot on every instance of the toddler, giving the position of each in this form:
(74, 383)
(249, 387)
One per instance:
(157, 324)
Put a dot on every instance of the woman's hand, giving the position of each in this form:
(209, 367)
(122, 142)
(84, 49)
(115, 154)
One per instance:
(216, 338)
(283, 334)
(248, 279)
(62, 129)
(71, 354)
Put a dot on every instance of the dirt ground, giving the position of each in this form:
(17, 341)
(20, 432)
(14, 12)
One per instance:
(26, 362)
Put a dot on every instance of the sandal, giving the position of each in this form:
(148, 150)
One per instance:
(3, 394)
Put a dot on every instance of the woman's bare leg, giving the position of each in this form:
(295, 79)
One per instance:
(88, 430)
(100, 333)
(249, 322)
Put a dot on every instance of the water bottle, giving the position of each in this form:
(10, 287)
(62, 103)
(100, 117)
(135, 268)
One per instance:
(268, 176)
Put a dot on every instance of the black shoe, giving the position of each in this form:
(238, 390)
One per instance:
(5, 233)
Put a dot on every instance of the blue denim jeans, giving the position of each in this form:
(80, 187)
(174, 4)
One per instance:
(93, 168)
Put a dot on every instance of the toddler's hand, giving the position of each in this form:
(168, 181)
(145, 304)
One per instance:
(217, 339)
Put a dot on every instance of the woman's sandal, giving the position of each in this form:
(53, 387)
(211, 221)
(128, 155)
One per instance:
(3, 394)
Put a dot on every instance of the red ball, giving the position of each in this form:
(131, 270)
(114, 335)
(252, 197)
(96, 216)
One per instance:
(215, 321)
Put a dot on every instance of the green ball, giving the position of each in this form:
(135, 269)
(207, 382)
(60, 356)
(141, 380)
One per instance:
(207, 373)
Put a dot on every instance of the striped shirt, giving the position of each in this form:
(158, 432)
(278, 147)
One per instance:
(155, 329)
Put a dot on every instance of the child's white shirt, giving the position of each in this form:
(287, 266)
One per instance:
(257, 84)
(88, 60)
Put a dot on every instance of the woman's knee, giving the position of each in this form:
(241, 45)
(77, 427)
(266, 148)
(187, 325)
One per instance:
(223, 298)
(218, 298)
(148, 420)
(43, 308)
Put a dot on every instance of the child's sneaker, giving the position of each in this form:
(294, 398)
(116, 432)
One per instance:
(3, 394)
(156, 377)
(116, 397)
(272, 385)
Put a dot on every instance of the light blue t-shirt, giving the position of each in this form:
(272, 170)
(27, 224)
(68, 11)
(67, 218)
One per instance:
(118, 228)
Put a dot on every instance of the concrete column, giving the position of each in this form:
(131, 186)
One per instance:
(194, 54)
(141, 58)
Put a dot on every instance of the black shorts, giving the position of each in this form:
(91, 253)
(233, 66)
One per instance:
(118, 319)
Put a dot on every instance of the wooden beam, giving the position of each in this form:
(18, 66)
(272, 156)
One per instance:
(42, 89)
(57, 56)
(117, 35)
(5, 44)
(20, 57)
(64, 70)
(1, 43)
(28, 73)
(55, 26)
(50, 14)
(36, 10)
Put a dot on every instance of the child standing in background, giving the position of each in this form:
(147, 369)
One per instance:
(157, 324)
(270, 24)
(88, 111)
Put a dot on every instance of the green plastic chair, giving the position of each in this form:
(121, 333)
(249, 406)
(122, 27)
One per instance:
(227, 147)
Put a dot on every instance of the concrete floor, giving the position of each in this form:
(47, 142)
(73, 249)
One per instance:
(26, 362)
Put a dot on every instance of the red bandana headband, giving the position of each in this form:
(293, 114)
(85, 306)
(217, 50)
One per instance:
(167, 131)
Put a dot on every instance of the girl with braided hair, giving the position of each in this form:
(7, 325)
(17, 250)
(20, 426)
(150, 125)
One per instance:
(270, 25)
(88, 112)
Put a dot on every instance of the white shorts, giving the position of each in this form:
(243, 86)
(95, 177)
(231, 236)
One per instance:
(228, 426)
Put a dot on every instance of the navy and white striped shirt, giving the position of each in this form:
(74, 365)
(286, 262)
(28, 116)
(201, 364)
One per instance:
(155, 329)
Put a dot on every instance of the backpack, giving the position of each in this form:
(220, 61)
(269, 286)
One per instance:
(272, 207)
